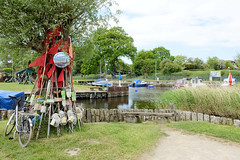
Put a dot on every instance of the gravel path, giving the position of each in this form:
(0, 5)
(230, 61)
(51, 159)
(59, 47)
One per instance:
(183, 146)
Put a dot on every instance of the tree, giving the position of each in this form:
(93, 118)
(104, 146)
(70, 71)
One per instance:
(228, 64)
(112, 44)
(198, 63)
(167, 67)
(139, 62)
(26, 22)
(147, 67)
(21, 56)
(221, 64)
(237, 59)
(180, 60)
(213, 63)
(161, 53)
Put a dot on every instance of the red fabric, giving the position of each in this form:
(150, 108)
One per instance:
(54, 32)
(50, 72)
(39, 61)
(54, 48)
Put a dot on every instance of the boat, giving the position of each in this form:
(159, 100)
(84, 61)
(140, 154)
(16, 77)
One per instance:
(138, 83)
(100, 83)
(181, 83)
(229, 81)
(226, 82)
(196, 82)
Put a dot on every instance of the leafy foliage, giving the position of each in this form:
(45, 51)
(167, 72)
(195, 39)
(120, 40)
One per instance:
(168, 67)
(21, 56)
(213, 63)
(28, 21)
(109, 46)
(143, 58)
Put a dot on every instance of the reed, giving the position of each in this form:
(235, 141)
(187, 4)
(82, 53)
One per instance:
(213, 101)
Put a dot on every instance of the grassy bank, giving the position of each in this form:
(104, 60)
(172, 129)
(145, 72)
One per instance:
(214, 101)
(96, 141)
(220, 131)
(15, 86)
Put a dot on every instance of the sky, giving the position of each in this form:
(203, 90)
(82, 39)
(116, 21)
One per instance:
(192, 28)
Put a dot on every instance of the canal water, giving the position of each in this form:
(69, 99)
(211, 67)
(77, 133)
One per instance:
(139, 98)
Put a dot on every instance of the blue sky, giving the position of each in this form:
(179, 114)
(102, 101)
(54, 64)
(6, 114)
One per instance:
(192, 28)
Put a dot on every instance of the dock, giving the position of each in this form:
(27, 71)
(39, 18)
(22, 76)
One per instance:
(112, 92)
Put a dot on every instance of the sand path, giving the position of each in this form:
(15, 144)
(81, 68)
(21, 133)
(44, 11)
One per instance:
(180, 145)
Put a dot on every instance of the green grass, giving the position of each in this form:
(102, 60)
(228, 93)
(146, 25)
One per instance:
(15, 86)
(96, 141)
(213, 101)
(220, 131)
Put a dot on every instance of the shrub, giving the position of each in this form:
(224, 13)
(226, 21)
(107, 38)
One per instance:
(8, 70)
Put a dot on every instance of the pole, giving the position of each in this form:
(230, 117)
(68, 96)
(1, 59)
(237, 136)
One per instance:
(12, 67)
(155, 70)
(100, 69)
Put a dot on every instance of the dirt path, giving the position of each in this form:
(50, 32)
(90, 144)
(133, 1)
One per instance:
(182, 146)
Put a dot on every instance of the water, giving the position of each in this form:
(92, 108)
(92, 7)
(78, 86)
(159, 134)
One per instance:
(139, 98)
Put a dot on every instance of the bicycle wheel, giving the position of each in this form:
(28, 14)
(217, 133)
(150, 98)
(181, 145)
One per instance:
(10, 125)
(25, 134)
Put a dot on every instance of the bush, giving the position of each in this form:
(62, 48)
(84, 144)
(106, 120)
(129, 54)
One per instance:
(7, 70)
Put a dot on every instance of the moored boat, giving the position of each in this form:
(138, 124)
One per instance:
(138, 83)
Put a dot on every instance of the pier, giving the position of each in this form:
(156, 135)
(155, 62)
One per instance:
(112, 92)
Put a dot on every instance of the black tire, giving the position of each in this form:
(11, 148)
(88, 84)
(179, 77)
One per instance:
(25, 134)
(11, 124)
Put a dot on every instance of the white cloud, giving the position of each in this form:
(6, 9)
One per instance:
(192, 22)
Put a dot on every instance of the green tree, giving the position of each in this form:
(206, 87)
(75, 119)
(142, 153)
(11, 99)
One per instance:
(212, 63)
(139, 62)
(161, 53)
(112, 44)
(229, 64)
(180, 60)
(168, 67)
(21, 56)
(221, 64)
(147, 68)
(237, 59)
(26, 22)
(198, 63)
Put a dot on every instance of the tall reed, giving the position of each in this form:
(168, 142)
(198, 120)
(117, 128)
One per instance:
(214, 101)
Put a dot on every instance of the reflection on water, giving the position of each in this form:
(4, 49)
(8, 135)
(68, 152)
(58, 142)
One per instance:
(141, 98)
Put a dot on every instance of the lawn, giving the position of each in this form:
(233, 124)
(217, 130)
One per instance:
(96, 141)
(15, 86)
(220, 131)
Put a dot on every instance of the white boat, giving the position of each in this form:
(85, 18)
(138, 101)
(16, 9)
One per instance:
(226, 82)
(196, 82)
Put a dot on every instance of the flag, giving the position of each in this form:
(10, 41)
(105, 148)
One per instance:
(10, 60)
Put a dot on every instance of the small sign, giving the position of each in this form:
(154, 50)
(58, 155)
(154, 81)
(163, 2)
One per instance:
(215, 73)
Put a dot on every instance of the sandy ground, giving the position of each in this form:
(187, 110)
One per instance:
(179, 145)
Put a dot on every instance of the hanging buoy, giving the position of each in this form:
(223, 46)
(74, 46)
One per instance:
(136, 90)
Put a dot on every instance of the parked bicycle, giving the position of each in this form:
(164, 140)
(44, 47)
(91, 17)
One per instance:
(22, 119)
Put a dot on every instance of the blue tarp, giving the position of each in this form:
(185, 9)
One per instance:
(7, 102)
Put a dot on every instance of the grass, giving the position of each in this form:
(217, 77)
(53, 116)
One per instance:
(220, 131)
(96, 141)
(15, 86)
(213, 101)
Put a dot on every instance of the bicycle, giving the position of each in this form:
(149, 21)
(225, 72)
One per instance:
(23, 122)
